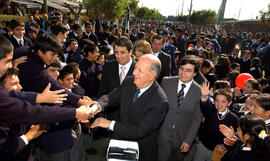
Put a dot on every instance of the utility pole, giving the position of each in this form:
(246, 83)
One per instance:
(182, 11)
(190, 9)
(45, 7)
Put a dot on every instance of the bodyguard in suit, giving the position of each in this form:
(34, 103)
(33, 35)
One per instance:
(157, 44)
(18, 39)
(182, 121)
(143, 105)
(114, 72)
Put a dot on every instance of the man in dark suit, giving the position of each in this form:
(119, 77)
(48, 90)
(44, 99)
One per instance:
(245, 62)
(157, 44)
(234, 56)
(182, 121)
(18, 39)
(143, 105)
(114, 72)
(15, 109)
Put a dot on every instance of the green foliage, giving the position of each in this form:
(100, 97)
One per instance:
(147, 13)
(108, 9)
(265, 16)
(203, 17)
(9, 17)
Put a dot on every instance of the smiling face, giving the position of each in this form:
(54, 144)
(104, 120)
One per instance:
(123, 56)
(49, 57)
(13, 83)
(221, 103)
(68, 81)
(19, 32)
(247, 88)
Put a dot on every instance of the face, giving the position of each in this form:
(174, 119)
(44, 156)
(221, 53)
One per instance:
(186, 73)
(79, 31)
(101, 60)
(205, 70)
(49, 57)
(74, 45)
(243, 138)
(78, 76)
(157, 45)
(19, 32)
(142, 75)
(123, 56)
(138, 54)
(32, 35)
(13, 83)
(53, 72)
(62, 36)
(247, 88)
(67, 82)
(221, 103)
(257, 110)
(6, 63)
(246, 55)
(88, 28)
(93, 56)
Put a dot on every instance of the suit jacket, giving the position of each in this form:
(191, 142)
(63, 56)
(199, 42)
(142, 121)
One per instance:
(141, 120)
(170, 49)
(110, 77)
(17, 112)
(91, 37)
(180, 124)
(165, 66)
(245, 66)
(27, 42)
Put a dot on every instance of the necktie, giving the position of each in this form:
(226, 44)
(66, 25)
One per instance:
(180, 96)
(20, 43)
(136, 96)
(122, 74)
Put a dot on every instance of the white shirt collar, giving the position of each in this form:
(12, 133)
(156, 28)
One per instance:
(127, 66)
(156, 54)
(186, 88)
(267, 121)
(144, 89)
(18, 40)
(88, 34)
(76, 35)
(245, 148)
(223, 113)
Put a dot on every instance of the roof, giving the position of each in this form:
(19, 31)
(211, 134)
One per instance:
(27, 3)
(54, 5)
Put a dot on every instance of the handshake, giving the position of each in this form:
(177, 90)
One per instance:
(85, 112)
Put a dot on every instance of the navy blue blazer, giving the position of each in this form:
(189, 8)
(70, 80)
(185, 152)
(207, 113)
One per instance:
(170, 49)
(34, 77)
(27, 42)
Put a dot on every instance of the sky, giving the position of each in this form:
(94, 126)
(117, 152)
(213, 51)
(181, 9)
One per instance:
(248, 9)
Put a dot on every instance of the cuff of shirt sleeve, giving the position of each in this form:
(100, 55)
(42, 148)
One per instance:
(23, 137)
(111, 127)
(204, 100)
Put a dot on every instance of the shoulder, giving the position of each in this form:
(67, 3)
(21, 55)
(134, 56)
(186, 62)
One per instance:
(165, 55)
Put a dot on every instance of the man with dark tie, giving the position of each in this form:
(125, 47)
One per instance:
(15, 109)
(115, 71)
(143, 105)
(157, 44)
(182, 121)
(18, 39)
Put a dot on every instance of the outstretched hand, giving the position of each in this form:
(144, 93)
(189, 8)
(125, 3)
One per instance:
(48, 96)
(228, 132)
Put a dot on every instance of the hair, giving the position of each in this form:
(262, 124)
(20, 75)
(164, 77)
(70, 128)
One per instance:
(263, 100)
(124, 41)
(190, 59)
(156, 64)
(235, 65)
(83, 43)
(141, 35)
(69, 41)
(87, 23)
(64, 72)
(255, 84)
(143, 46)
(206, 63)
(224, 62)
(232, 77)
(105, 50)
(32, 29)
(90, 47)
(221, 84)
(253, 126)
(58, 27)
(256, 62)
(76, 27)
(5, 47)
(157, 37)
(10, 72)
(105, 35)
(55, 64)
(73, 67)
(112, 38)
(46, 43)
(15, 23)
(224, 92)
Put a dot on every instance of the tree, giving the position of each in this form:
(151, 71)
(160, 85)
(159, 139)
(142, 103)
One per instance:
(108, 9)
(76, 12)
(265, 16)
(146, 13)
(203, 17)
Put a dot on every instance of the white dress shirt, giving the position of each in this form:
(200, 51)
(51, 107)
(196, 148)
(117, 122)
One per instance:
(186, 88)
(18, 40)
(127, 66)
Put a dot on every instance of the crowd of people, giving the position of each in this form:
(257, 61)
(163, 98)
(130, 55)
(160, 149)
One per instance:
(170, 87)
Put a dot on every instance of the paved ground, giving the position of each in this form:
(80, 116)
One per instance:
(101, 146)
